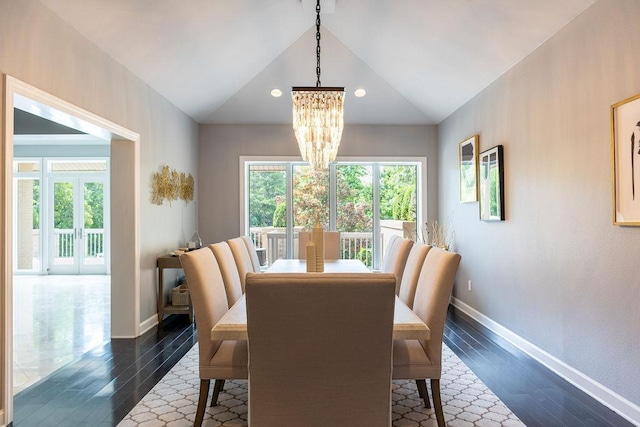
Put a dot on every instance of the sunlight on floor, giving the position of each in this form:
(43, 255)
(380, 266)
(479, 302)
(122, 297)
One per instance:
(56, 319)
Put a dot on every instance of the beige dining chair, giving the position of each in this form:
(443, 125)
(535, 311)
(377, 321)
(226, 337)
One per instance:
(411, 273)
(331, 244)
(218, 360)
(396, 259)
(320, 349)
(230, 275)
(242, 258)
(389, 245)
(421, 360)
(255, 261)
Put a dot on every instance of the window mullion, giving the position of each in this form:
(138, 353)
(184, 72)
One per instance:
(290, 223)
(377, 253)
(333, 204)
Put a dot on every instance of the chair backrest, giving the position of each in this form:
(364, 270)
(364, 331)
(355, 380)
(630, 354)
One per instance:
(241, 257)
(396, 259)
(208, 296)
(389, 243)
(433, 292)
(411, 273)
(331, 244)
(320, 349)
(230, 275)
(255, 261)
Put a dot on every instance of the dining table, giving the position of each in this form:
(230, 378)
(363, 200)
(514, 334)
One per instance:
(330, 266)
(233, 324)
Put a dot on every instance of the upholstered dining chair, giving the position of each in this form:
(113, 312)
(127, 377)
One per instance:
(421, 360)
(218, 360)
(242, 258)
(331, 244)
(396, 259)
(411, 273)
(320, 349)
(229, 270)
(255, 261)
(389, 245)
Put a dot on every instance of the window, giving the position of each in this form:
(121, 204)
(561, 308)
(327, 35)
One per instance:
(27, 215)
(366, 201)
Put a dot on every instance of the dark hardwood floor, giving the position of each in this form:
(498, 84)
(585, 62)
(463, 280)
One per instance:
(535, 394)
(106, 383)
(103, 386)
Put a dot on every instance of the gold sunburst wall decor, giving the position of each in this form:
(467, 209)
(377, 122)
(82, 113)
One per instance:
(186, 187)
(169, 185)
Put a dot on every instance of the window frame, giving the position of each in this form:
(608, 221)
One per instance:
(376, 162)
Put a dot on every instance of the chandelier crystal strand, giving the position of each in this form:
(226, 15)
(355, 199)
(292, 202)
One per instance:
(318, 116)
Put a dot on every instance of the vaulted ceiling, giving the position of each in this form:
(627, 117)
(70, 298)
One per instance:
(218, 60)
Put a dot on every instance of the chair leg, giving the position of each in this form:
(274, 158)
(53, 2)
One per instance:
(437, 403)
(422, 391)
(218, 386)
(202, 402)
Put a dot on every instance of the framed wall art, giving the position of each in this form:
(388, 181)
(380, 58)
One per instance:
(468, 155)
(492, 184)
(625, 154)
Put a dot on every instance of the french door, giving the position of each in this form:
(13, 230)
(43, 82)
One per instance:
(76, 225)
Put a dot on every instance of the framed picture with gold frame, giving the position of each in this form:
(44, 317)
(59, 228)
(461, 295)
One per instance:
(625, 154)
(468, 156)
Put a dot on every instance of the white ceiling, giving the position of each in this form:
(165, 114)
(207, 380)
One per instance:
(217, 60)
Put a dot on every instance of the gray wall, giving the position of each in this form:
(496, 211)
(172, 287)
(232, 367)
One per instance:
(222, 145)
(40, 49)
(556, 272)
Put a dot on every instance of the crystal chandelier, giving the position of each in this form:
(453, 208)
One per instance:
(318, 116)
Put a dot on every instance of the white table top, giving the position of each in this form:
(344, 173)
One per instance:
(330, 266)
(233, 325)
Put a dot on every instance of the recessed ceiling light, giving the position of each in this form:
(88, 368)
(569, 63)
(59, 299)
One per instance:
(360, 93)
(276, 93)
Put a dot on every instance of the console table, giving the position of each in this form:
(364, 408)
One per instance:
(168, 261)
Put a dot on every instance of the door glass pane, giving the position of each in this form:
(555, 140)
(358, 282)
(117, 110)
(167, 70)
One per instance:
(93, 236)
(398, 189)
(268, 211)
(63, 231)
(28, 225)
(310, 200)
(354, 220)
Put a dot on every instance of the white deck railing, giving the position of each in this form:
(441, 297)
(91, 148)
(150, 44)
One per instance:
(353, 245)
(64, 240)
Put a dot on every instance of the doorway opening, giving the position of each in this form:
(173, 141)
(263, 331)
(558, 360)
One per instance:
(61, 280)
(121, 246)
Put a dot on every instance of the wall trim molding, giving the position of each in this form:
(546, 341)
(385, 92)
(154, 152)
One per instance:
(609, 398)
(147, 324)
(144, 326)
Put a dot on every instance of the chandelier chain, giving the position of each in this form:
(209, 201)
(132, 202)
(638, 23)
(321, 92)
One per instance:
(318, 116)
(318, 43)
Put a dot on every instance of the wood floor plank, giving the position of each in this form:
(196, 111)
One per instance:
(101, 388)
(534, 393)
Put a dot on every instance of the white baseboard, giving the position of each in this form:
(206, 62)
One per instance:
(609, 398)
(148, 324)
(142, 328)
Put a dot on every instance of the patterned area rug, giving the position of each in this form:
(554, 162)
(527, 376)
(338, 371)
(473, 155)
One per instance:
(466, 400)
